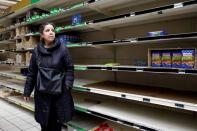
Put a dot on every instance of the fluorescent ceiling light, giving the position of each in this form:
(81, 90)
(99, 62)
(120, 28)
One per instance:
(3, 7)
(7, 2)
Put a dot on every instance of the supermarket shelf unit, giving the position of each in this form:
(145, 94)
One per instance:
(131, 94)
(83, 7)
(112, 111)
(180, 99)
(78, 122)
(47, 4)
(184, 10)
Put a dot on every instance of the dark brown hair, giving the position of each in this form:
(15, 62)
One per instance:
(41, 28)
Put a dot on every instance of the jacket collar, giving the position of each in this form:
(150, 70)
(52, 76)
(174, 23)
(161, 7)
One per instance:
(46, 51)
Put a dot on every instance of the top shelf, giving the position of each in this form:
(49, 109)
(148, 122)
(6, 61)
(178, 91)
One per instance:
(100, 6)
(168, 12)
(146, 117)
(47, 4)
(147, 16)
(106, 6)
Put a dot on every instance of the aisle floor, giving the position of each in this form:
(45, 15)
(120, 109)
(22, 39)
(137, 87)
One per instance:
(13, 118)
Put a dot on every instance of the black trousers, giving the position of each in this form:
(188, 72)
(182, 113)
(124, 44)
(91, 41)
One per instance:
(53, 125)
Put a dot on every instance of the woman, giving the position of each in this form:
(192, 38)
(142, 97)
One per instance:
(51, 73)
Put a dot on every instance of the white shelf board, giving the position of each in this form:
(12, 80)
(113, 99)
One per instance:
(156, 41)
(15, 66)
(17, 88)
(136, 97)
(80, 28)
(86, 121)
(158, 119)
(103, 6)
(97, 5)
(130, 93)
(152, 116)
(62, 15)
(7, 42)
(169, 14)
(43, 4)
(142, 69)
(82, 82)
(48, 4)
(14, 86)
(11, 74)
(21, 102)
(56, 17)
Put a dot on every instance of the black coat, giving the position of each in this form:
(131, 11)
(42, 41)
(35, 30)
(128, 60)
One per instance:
(54, 57)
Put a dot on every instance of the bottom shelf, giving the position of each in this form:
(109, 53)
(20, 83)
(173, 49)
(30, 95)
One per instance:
(84, 122)
(81, 121)
(120, 111)
(148, 118)
(89, 121)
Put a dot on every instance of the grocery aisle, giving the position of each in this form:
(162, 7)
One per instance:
(135, 62)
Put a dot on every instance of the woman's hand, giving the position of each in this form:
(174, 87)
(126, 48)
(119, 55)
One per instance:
(26, 99)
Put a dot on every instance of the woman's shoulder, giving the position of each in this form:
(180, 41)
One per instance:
(64, 47)
(35, 49)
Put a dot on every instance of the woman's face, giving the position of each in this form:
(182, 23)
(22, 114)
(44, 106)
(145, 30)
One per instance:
(48, 34)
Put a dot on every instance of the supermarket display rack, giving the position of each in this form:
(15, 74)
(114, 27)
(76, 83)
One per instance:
(129, 94)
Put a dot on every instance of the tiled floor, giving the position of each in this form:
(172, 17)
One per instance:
(13, 118)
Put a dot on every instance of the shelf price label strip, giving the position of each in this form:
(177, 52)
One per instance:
(75, 126)
(144, 69)
(81, 88)
(80, 68)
